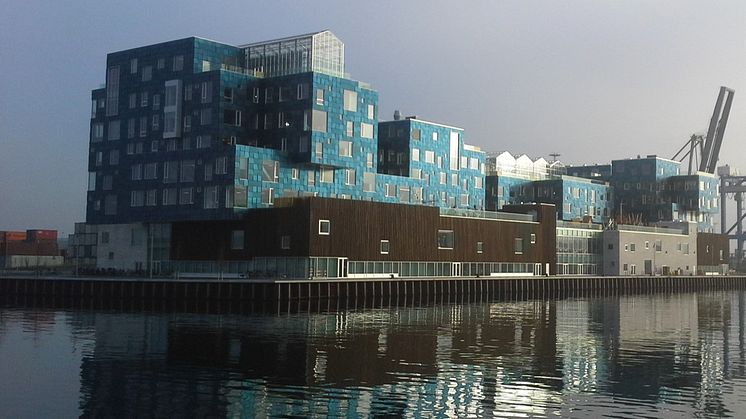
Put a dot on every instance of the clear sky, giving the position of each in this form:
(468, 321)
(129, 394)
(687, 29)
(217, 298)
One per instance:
(593, 80)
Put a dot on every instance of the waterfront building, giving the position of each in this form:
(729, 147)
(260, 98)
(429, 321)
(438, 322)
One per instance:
(194, 129)
(195, 135)
(389, 239)
(664, 249)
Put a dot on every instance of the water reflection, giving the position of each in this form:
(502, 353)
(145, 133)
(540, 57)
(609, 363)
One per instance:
(661, 355)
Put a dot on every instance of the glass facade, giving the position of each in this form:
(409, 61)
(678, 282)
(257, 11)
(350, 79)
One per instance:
(320, 52)
(579, 249)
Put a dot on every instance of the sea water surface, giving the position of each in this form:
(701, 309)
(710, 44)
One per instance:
(656, 355)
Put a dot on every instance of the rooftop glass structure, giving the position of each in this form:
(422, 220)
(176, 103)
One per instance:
(321, 52)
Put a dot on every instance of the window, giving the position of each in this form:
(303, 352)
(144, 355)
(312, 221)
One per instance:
(178, 64)
(371, 112)
(136, 171)
(453, 151)
(369, 182)
(403, 194)
(133, 66)
(350, 100)
(385, 247)
(429, 156)
(533, 238)
(345, 148)
(187, 171)
(415, 154)
(268, 197)
(285, 242)
(327, 175)
(270, 170)
(610, 246)
(319, 96)
(170, 171)
(104, 237)
(205, 65)
(169, 196)
(318, 121)
(443, 178)
(302, 91)
(480, 247)
(349, 176)
(349, 128)
(518, 246)
(161, 64)
(151, 197)
(113, 133)
(144, 126)
(647, 245)
(324, 227)
(416, 134)
(150, 170)
(206, 92)
(112, 92)
(156, 122)
(390, 191)
(445, 239)
(205, 116)
(268, 95)
(137, 198)
(156, 102)
(631, 247)
(478, 182)
(144, 99)
(186, 196)
(658, 246)
(131, 128)
(366, 130)
(311, 177)
(97, 132)
(237, 240)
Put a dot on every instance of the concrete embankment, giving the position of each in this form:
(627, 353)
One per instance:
(283, 290)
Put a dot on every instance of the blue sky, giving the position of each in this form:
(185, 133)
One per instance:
(592, 80)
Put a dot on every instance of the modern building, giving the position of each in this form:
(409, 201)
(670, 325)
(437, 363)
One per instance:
(426, 162)
(650, 189)
(196, 130)
(667, 249)
(193, 138)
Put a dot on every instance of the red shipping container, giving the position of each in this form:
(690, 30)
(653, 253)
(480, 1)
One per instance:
(15, 236)
(41, 235)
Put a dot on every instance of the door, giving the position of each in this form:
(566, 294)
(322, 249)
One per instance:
(342, 267)
(648, 267)
(456, 269)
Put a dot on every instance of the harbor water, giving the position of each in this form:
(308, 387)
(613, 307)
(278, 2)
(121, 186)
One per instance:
(663, 354)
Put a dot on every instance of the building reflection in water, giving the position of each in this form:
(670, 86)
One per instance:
(641, 352)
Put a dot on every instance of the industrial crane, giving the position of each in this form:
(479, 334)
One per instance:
(706, 149)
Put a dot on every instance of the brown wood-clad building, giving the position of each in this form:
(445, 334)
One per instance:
(373, 231)
(712, 249)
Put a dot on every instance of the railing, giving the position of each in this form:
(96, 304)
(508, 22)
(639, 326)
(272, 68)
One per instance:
(241, 70)
(648, 229)
(575, 224)
(490, 215)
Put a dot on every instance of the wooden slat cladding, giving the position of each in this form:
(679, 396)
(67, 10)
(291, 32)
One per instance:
(357, 228)
(263, 231)
(709, 246)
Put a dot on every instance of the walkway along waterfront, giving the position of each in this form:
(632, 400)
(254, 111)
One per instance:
(425, 289)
